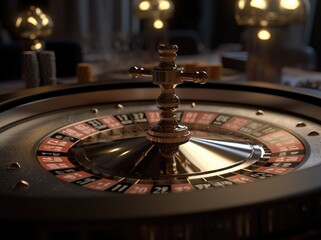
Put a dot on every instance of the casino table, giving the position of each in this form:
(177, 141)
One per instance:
(127, 159)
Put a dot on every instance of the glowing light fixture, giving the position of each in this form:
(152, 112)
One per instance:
(164, 5)
(289, 4)
(264, 35)
(144, 5)
(156, 10)
(158, 24)
(32, 21)
(34, 25)
(261, 4)
(271, 12)
(36, 46)
(241, 4)
(266, 22)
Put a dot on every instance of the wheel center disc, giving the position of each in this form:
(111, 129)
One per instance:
(135, 156)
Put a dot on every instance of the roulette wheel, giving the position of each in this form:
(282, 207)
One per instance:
(104, 161)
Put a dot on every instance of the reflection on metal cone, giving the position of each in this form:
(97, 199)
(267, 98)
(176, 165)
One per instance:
(137, 157)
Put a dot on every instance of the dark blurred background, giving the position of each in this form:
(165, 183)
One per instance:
(88, 29)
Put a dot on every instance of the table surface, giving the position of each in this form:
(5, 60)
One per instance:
(102, 72)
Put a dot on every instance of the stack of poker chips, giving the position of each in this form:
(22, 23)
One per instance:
(39, 68)
(30, 69)
(47, 63)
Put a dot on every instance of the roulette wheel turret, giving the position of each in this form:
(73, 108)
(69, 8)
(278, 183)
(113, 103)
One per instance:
(102, 160)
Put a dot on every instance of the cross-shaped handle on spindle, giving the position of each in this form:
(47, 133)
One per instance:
(168, 133)
(167, 72)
